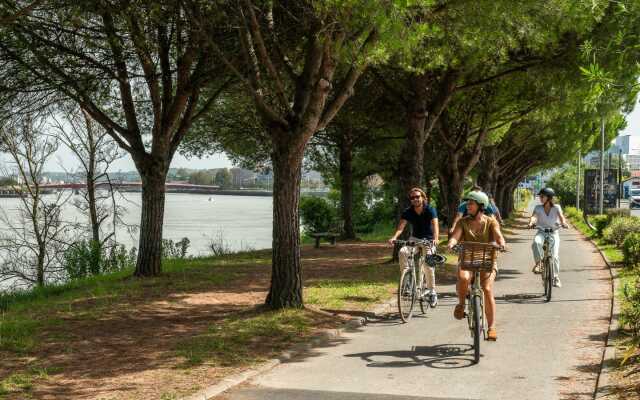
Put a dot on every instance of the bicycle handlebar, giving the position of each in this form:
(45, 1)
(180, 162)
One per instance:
(414, 242)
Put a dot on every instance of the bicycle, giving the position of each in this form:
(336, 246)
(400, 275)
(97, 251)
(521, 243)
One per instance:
(546, 267)
(411, 283)
(476, 257)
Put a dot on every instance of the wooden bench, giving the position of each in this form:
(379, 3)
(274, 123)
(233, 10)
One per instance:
(331, 237)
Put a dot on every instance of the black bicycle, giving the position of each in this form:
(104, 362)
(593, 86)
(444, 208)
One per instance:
(412, 279)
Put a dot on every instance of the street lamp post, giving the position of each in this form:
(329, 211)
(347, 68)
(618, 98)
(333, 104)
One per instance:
(578, 183)
(601, 202)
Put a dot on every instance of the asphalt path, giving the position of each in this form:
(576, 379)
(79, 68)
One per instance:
(544, 350)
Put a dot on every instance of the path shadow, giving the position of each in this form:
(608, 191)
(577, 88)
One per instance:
(442, 356)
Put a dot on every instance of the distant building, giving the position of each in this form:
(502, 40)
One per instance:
(629, 144)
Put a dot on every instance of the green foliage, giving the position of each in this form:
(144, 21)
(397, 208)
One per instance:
(630, 307)
(317, 214)
(618, 212)
(618, 229)
(171, 249)
(631, 250)
(89, 258)
(564, 183)
(600, 222)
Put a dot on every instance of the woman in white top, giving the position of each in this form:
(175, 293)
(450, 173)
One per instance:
(547, 215)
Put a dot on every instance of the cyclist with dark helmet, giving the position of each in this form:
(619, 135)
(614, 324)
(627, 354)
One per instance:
(477, 227)
(547, 215)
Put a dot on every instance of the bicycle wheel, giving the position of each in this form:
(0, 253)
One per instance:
(549, 279)
(406, 294)
(421, 299)
(543, 277)
(477, 327)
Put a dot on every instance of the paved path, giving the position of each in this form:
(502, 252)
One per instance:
(544, 350)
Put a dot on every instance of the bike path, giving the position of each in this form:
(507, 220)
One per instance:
(544, 350)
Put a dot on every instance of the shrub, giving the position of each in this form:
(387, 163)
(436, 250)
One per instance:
(630, 308)
(317, 214)
(618, 212)
(619, 228)
(631, 249)
(572, 213)
(88, 257)
(171, 249)
(599, 222)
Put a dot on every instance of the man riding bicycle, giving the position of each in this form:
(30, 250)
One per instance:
(424, 224)
(477, 227)
(547, 216)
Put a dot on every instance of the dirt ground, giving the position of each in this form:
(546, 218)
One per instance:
(127, 353)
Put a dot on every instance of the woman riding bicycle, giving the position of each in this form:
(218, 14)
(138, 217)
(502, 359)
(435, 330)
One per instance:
(477, 227)
(547, 216)
(424, 224)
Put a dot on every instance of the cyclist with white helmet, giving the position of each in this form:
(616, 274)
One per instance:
(547, 216)
(477, 227)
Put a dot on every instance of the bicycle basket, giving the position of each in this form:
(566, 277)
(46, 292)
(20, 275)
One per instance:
(474, 255)
(434, 260)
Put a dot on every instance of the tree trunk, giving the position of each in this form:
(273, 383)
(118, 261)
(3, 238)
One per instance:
(411, 163)
(346, 187)
(286, 271)
(93, 211)
(152, 219)
(488, 170)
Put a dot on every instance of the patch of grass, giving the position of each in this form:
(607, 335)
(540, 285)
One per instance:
(336, 294)
(22, 382)
(380, 233)
(244, 340)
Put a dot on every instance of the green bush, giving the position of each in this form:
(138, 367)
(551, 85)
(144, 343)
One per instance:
(317, 214)
(630, 307)
(618, 212)
(599, 222)
(572, 213)
(171, 249)
(619, 228)
(88, 257)
(631, 249)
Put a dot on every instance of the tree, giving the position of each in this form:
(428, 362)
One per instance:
(224, 178)
(137, 68)
(95, 151)
(31, 248)
(299, 63)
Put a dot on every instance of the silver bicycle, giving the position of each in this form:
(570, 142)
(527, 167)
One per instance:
(412, 279)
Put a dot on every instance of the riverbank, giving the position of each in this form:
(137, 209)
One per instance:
(169, 336)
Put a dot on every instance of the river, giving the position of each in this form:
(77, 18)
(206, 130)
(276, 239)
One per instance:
(243, 222)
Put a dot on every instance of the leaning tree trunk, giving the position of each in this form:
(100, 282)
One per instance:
(286, 271)
(153, 178)
(346, 187)
(488, 170)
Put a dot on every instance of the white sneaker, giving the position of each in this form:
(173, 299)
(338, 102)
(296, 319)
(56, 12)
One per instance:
(433, 298)
(556, 282)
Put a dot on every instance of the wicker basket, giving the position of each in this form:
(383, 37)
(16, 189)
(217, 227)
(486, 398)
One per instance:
(476, 255)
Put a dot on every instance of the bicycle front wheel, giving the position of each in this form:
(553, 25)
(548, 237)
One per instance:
(548, 284)
(477, 327)
(406, 294)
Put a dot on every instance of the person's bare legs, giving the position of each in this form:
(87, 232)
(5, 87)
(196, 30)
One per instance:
(489, 300)
(462, 286)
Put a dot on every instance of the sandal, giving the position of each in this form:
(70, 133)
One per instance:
(492, 334)
(458, 312)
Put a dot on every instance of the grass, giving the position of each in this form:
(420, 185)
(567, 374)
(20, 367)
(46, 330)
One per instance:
(32, 321)
(22, 382)
(236, 341)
